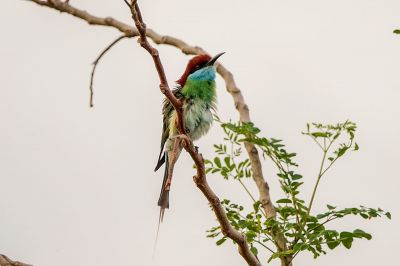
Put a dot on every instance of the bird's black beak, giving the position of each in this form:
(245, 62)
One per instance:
(212, 60)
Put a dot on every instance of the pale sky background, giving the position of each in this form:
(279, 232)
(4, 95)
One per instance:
(77, 184)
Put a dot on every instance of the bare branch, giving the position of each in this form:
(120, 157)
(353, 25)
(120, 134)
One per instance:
(65, 7)
(5, 261)
(141, 26)
(95, 62)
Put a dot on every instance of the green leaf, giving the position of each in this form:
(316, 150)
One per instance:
(227, 161)
(333, 244)
(342, 151)
(396, 31)
(256, 206)
(248, 173)
(217, 162)
(300, 247)
(388, 215)
(330, 207)
(322, 215)
(320, 134)
(221, 241)
(346, 234)
(275, 140)
(346, 239)
(254, 250)
(250, 236)
(361, 234)
(284, 201)
(347, 242)
(356, 147)
(296, 177)
(212, 235)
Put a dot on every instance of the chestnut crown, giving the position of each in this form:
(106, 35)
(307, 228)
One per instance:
(195, 64)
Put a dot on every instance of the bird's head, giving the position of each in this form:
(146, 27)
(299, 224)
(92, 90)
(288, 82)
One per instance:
(199, 62)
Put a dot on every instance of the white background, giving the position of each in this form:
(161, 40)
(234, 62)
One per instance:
(77, 184)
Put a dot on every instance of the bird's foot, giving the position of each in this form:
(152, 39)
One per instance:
(197, 149)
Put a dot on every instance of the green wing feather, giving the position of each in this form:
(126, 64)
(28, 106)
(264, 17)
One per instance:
(167, 112)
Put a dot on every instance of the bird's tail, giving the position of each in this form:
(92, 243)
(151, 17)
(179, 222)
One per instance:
(163, 201)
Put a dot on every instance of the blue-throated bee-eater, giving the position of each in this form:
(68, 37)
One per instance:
(196, 89)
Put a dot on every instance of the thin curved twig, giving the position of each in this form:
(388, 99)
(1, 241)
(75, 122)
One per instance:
(95, 62)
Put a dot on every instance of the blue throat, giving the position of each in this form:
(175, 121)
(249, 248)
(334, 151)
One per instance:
(206, 73)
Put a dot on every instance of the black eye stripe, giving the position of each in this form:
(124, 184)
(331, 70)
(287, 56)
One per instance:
(198, 66)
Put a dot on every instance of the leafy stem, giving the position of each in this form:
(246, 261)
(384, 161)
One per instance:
(293, 221)
(320, 174)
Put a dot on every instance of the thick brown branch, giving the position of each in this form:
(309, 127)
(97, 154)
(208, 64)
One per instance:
(95, 62)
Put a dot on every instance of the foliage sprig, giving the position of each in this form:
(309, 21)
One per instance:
(303, 230)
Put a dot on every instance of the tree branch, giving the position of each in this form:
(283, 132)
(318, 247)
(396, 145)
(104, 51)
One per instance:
(231, 86)
(200, 178)
(95, 62)
(5, 261)
(141, 26)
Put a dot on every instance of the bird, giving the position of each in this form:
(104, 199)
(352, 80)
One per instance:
(196, 88)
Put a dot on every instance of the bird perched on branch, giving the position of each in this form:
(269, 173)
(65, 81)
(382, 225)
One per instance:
(196, 90)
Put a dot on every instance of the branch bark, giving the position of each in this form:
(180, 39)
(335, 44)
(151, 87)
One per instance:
(5, 261)
(231, 87)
